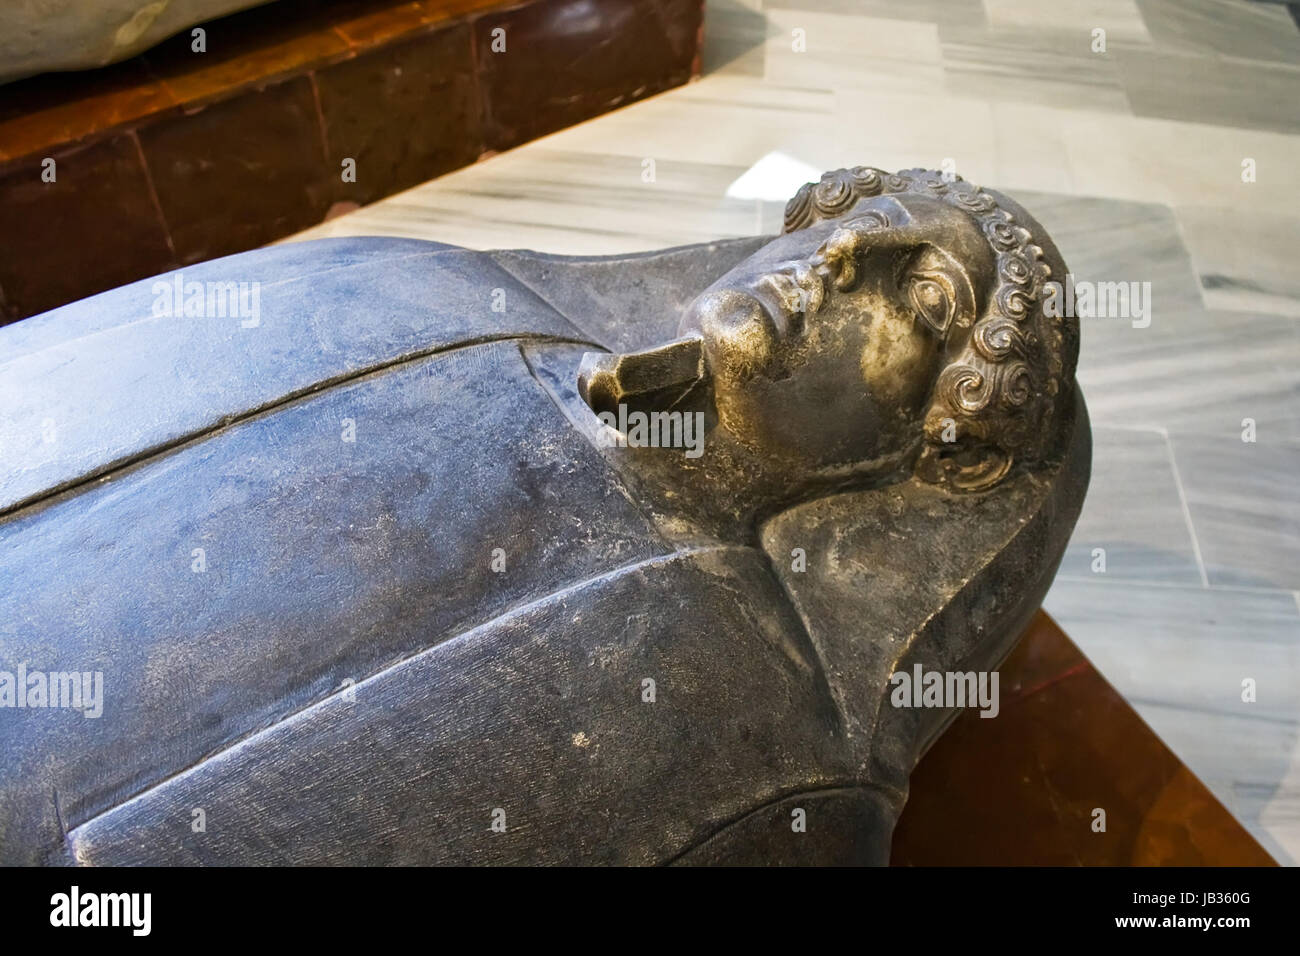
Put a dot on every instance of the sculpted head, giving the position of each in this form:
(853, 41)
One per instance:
(897, 321)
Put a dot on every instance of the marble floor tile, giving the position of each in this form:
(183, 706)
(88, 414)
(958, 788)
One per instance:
(1194, 373)
(1029, 149)
(1184, 86)
(772, 218)
(1119, 18)
(711, 122)
(742, 96)
(1022, 64)
(1105, 240)
(1244, 499)
(1248, 764)
(735, 36)
(841, 52)
(925, 11)
(1276, 808)
(902, 131)
(1246, 263)
(1251, 31)
(1133, 513)
(576, 203)
(1171, 652)
(1180, 656)
(1177, 163)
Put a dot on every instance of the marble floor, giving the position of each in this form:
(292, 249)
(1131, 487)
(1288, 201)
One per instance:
(1171, 156)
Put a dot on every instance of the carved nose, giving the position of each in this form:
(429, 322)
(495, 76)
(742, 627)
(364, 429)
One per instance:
(656, 379)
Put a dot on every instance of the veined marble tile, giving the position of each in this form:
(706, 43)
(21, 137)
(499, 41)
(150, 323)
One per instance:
(1028, 154)
(1183, 86)
(1244, 262)
(1195, 373)
(1189, 366)
(772, 218)
(901, 131)
(1119, 18)
(578, 203)
(1106, 240)
(1243, 295)
(706, 123)
(1032, 65)
(1164, 161)
(735, 35)
(1276, 808)
(1133, 513)
(870, 37)
(1251, 31)
(1167, 644)
(1179, 655)
(741, 95)
(925, 11)
(1244, 499)
(832, 51)
(1247, 764)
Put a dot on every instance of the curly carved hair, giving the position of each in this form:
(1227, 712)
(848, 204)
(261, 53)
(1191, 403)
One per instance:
(1009, 384)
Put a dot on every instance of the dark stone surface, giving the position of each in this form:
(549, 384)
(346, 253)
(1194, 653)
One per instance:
(430, 591)
(325, 560)
(912, 548)
(595, 291)
(330, 310)
(438, 741)
(844, 823)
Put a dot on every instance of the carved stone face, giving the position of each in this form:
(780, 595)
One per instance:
(824, 346)
(896, 322)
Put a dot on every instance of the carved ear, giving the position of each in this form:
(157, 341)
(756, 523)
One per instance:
(965, 465)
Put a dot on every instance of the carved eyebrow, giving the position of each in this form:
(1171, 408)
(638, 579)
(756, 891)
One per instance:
(902, 265)
(840, 253)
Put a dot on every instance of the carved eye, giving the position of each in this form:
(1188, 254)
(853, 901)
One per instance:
(932, 298)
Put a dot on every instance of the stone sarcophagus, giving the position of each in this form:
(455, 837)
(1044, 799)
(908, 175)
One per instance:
(384, 551)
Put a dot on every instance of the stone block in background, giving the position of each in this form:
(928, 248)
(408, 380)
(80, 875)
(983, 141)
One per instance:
(569, 60)
(229, 149)
(99, 228)
(240, 173)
